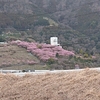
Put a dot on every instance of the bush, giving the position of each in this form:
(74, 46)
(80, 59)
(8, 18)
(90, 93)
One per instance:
(86, 55)
(51, 61)
(2, 39)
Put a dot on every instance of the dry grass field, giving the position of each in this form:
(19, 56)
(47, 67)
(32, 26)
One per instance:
(83, 85)
(17, 58)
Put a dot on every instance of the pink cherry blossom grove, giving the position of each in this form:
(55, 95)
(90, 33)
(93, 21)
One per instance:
(43, 51)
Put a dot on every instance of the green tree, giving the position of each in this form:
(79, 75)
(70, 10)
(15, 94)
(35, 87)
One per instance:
(86, 55)
(51, 61)
(2, 39)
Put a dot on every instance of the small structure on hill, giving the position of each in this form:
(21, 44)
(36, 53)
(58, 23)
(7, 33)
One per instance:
(54, 41)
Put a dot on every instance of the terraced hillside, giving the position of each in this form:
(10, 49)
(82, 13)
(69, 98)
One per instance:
(14, 57)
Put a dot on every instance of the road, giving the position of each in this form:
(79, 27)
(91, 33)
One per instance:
(38, 72)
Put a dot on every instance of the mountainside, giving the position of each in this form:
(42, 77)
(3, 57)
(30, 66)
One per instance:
(75, 22)
(68, 12)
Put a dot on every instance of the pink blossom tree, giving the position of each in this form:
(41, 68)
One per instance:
(43, 51)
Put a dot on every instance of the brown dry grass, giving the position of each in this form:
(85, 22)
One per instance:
(84, 85)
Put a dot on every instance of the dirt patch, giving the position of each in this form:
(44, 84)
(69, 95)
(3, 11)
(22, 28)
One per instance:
(84, 85)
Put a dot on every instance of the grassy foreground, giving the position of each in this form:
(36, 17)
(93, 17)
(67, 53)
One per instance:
(83, 85)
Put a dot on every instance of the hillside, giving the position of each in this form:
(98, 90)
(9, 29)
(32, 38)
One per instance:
(22, 55)
(13, 57)
(75, 22)
(83, 85)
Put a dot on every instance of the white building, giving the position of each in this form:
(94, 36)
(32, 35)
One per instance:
(54, 41)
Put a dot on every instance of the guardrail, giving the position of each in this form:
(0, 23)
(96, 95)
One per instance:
(21, 73)
(10, 71)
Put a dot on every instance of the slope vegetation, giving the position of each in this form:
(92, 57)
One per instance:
(75, 22)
